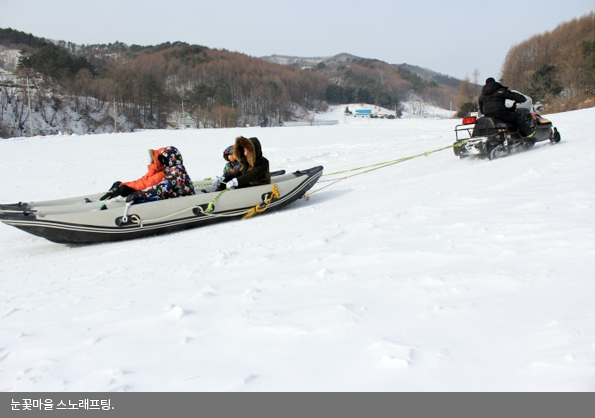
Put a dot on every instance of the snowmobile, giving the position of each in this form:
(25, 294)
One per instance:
(488, 136)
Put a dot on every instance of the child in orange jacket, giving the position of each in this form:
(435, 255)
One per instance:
(154, 175)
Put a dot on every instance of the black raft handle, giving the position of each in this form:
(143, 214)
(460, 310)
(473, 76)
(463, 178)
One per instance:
(131, 220)
(201, 210)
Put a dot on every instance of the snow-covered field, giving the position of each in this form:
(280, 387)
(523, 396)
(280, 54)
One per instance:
(435, 274)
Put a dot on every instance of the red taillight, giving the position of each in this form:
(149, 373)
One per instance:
(469, 121)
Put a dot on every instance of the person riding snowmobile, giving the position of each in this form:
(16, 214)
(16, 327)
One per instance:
(492, 102)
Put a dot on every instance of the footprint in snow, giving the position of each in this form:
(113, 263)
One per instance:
(394, 355)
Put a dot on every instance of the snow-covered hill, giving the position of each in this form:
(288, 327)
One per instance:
(434, 274)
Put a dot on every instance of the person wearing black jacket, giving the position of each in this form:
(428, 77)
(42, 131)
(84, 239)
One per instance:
(254, 168)
(492, 102)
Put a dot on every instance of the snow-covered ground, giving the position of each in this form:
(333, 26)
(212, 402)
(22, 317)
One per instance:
(435, 274)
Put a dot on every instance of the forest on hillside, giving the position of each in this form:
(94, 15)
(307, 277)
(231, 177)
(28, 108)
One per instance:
(150, 85)
(157, 86)
(556, 68)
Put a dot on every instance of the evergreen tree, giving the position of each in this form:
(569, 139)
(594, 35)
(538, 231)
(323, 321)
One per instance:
(545, 84)
(55, 62)
(588, 67)
(466, 109)
(14, 37)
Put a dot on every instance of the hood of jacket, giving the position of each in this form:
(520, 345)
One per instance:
(170, 157)
(491, 88)
(251, 146)
(227, 152)
(154, 154)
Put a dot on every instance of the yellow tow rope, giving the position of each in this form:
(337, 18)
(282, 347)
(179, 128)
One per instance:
(211, 204)
(275, 192)
(259, 208)
(377, 166)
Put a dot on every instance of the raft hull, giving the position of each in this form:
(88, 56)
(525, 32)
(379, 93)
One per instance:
(97, 222)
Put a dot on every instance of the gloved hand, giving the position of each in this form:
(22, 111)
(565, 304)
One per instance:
(232, 184)
(123, 190)
(133, 197)
(112, 191)
(115, 185)
(218, 181)
(108, 195)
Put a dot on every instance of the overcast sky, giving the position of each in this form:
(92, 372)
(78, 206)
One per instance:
(452, 37)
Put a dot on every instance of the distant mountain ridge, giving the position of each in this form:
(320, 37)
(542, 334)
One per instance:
(339, 59)
(308, 61)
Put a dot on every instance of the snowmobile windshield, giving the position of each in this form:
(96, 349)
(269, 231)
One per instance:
(528, 104)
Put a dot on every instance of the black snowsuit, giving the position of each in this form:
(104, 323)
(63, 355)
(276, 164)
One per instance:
(492, 102)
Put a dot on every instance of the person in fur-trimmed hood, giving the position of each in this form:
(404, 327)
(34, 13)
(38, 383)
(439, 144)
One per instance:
(254, 168)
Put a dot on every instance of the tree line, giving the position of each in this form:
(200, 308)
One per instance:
(556, 68)
(153, 86)
(387, 85)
